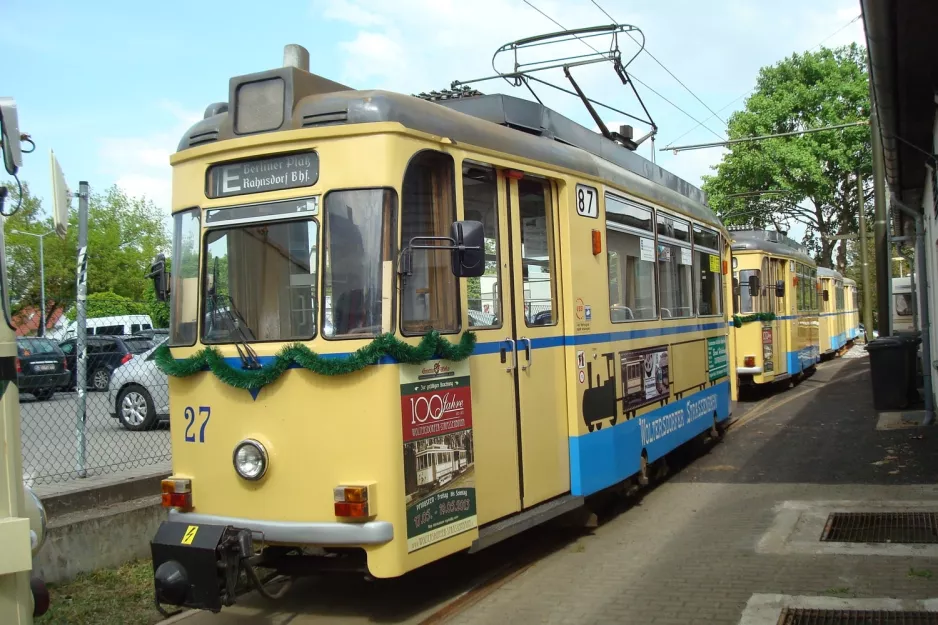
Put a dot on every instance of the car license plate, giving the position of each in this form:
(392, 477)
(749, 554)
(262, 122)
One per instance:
(44, 367)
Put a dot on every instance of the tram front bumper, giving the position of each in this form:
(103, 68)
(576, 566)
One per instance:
(198, 566)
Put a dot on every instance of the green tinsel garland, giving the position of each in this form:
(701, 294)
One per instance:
(739, 321)
(430, 346)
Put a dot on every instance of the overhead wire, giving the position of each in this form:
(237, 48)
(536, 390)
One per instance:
(737, 99)
(662, 65)
(632, 75)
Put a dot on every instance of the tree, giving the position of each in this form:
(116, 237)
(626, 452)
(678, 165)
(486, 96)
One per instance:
(124, 235)
(816, 173)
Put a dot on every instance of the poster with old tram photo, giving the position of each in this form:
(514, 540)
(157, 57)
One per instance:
(644, 376)
(439, 480)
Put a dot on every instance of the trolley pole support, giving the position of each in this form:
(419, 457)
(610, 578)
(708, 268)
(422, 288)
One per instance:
(81, 347)
(864, 265)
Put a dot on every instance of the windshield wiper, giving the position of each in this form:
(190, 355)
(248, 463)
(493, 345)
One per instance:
(248, 356)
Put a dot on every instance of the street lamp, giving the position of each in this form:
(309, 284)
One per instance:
(42, 278)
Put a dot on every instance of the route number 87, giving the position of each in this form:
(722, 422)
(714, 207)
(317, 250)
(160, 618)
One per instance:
(189, 416)
(586, 204)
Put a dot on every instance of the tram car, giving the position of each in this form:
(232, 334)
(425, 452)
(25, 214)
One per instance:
(905, 308)
(775, 300)
(833, 312)
(852, 312)
(302, 430)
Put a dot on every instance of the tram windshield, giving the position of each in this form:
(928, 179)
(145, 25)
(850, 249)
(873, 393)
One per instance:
(260, 282)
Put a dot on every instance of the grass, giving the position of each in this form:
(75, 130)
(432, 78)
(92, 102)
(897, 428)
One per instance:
(121, 596)
(923, 573)
(838, 592)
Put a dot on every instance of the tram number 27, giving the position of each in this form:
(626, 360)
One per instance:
(204, 413)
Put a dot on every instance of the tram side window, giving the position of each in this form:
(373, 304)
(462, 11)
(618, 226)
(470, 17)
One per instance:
(675, 273)
(748, 303)
(480, 203)
(813, 283)
(630, 240)
(768, 288)
(430, 297)
(799, 276)
(184, 312)
(358, 262)
(707, 266)
(536, 252)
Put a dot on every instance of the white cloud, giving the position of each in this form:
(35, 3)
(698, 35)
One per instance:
(140, 164)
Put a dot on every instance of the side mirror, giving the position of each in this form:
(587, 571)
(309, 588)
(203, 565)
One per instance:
(780, 288)
(826, 295)
(10, 136)
(160, 278)
(468, 252)
(754, 285)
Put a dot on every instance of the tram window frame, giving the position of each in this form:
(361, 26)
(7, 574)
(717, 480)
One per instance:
(548, 195)
(675, 244)
(700, 248)
(497, 287)
(639, 231)
(437, 269)
(178, 275)
(232, 227)
(754, 301)
(389, 238)
(765, 296)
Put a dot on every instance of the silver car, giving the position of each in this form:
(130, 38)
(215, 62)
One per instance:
(138, 392)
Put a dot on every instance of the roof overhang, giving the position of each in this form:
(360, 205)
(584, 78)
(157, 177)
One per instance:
(902, 43)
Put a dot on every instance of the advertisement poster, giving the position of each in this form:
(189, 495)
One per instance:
(644, 376)
(717, 361)
(647, 247)
(714, 264)
(664, 253)
(768, 358)
(686, 258)
(439, 479)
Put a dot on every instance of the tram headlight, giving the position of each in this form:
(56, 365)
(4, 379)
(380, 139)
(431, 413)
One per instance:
(250, 459)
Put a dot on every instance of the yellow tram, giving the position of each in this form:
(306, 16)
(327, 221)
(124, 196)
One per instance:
(404, 328)
(852, 310)
(776, 307)
(833, 313)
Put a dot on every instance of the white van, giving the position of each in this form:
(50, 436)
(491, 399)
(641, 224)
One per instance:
(120, 325)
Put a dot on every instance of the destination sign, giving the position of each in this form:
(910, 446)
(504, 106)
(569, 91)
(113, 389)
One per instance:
(266, 174)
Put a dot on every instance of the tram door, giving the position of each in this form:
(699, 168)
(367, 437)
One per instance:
(780, 342)
(538, 337)
(519, 426)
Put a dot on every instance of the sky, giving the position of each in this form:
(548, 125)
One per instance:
(112, 86)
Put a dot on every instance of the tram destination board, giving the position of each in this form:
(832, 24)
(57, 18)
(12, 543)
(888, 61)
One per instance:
(275, 173)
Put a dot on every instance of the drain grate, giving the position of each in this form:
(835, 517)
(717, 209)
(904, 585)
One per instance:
(805, 616)
(882, 527)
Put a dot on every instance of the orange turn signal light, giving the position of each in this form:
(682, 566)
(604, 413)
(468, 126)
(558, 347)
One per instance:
(176, 493)
(597, 242)
(750, 361)
(351, 501)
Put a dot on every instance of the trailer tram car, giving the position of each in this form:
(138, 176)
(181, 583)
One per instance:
(776, 302)
(594, 343)
(852, 312)
(833, 312)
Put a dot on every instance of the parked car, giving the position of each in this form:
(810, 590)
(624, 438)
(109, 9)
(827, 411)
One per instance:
(157, 334)
(41, 367)
(105, 354)
(139, 392)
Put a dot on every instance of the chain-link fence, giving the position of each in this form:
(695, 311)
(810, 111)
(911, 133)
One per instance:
(126, 418)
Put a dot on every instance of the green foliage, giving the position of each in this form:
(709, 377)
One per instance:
(108, 304)
(738, 321)
(430, 346)
(816, 172)
(124, 235)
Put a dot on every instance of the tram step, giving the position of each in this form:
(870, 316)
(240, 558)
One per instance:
(508, 527)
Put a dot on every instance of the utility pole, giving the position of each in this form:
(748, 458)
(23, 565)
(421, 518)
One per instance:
(81, 347)
(864, 266)
(42, 279)
(880, 227)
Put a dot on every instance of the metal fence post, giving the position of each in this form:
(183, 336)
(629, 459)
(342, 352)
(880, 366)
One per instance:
(80, 322)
